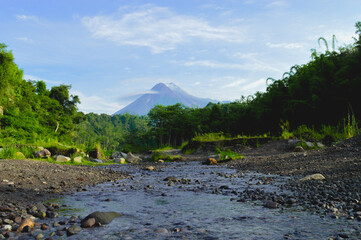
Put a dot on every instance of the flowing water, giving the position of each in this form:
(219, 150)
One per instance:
(198, 206)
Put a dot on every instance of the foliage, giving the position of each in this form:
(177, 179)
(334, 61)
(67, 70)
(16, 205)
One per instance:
(313, 95)
(211, 137)
(118, 132)
(29, 111)
(227, 154)
(160, 155)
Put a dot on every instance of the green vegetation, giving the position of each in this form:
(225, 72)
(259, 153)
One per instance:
(160, 155)
(316, 101)
(227, 154)
(317, 95)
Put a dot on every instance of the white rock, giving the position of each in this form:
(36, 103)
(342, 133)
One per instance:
(119, 160)
(7, 228)
(77, 159)
(61, 158)
(317, 176)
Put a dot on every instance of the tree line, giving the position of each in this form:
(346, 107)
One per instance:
(321, 92)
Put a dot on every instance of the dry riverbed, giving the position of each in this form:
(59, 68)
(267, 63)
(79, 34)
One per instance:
(26, 183)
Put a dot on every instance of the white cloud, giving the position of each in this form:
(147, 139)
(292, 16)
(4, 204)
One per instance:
(25, 39)
(96, 104)
(159, 29)
(284, 45)
(26, 18)
(248, 66)
(259, 85)
(235, 83)
(31, 77)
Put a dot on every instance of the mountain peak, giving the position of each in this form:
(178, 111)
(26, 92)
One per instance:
(165, 94)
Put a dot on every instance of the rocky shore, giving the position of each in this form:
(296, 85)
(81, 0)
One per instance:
(25, 184)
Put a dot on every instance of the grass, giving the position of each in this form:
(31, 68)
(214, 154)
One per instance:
(159, 155)
(227, 154)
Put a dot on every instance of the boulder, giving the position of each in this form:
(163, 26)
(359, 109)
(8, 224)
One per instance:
(61, 158)
(115, 155)
(88, 223)
(101, 218)
(309, 145)
(119, 160)
(132, 158)
(26, 223)
(215, 156)
(211, 161)
(78, 159)
(72, 230)
(19, 155)
(124, 155)
(298, 149)
(96, 160)
(320, 145)
(271, 204)
(316, 176)
(44, 153)
(150, 168)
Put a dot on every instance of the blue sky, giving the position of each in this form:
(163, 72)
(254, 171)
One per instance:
(110, 51)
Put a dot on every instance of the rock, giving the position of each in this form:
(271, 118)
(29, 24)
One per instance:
(150, 168)
(19, 155)
(298, 149)
(115, 155)
(96, 160)
(119, 160)
(61, 158)
(7, 228)
(309, 145)
(132, 158)
(26, 223)
(316, 176)
(215, 156)
(88, 223)
(45, 153)
(211, 161)
(161, 161)
(320, 145)
(102, 217)
(39, 236)
(78, 159)
(40, 207)
(271, 204)
(72, 230)
(124, 155)
(162, 231)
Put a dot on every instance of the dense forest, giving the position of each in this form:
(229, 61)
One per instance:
(322, 92)
(29, 112)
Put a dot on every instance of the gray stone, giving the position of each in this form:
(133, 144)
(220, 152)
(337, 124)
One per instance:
(72, 230)
(61, 158)
(309, 144)
(316, 176)
(101, 217)
(39, 236)
(119, 160)
(298, 149)
(78, 159)
(271, 204)
(320, 145)
(115, 155)
(132, 158)
(96, 160)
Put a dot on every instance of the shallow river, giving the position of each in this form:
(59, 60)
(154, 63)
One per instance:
(201, 206)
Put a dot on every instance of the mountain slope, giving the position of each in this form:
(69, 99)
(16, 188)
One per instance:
(164, 94)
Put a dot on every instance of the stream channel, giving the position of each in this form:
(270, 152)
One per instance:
(201, 205)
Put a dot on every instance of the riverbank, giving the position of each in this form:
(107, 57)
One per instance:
(24, 183)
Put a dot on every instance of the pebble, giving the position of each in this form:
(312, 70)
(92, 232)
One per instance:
(72, 230)
(39, 236)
